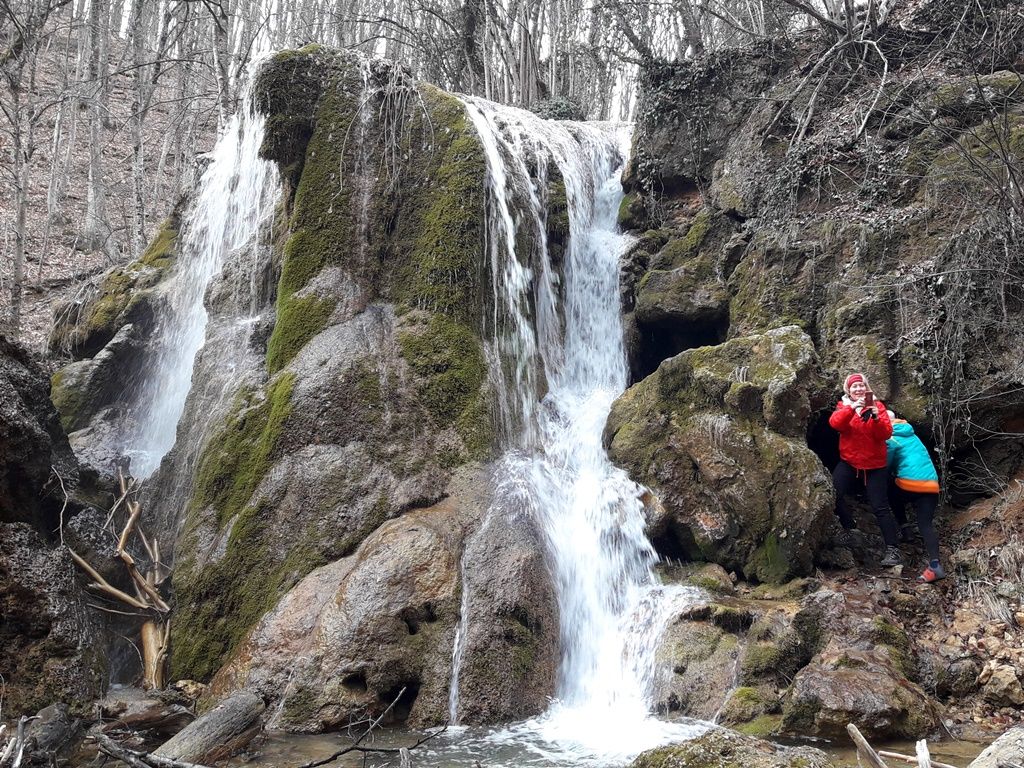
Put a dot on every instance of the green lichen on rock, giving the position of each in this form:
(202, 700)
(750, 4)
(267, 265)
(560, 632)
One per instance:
(299, 319)
(121, 297)
(449, 364)
(236, 458)
(438, 213)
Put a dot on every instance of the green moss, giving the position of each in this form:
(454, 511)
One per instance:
(438, 246)
(790, 590)
(769, 562)
(162, 250)
(237, 457)
(70, 400)
(298, 321)
(762, 727)
(686, 247)
(891, 637)
(216, 605)
(761, 659)
(557, 208)
(743, 705)
(448, 360)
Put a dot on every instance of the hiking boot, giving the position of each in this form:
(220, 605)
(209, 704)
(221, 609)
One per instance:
(891, 557)
(932, 573)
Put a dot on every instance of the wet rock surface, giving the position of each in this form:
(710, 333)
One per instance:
(367, 631)
(52, 647)
(719, 748)
(33, 447)
(509, 660)
(717, 434)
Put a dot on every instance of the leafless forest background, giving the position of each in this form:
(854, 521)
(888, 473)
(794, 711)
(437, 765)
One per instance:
(107, 103)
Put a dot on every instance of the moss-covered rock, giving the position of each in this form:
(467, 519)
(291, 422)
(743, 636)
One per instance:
(375, 389)
(448, 360)
(720, 748)
(123, 295)
(215, 608)
(731, 417)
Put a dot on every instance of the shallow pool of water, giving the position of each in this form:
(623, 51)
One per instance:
(517, 745)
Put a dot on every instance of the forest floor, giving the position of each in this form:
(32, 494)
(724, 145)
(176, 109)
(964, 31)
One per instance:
(59, 265)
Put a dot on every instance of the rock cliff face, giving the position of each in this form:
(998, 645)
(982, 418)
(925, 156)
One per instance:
(373, 391)
(341, 387)
(762, 208)
(327, 495)
(51, 644)
(787, 235)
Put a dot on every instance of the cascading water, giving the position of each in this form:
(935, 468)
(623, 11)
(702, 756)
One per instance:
(236, 194)
(612, 606)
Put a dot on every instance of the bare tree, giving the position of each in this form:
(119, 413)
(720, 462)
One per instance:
(24, 31)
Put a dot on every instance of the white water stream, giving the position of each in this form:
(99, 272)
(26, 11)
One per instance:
(236, 194)
(612, 607)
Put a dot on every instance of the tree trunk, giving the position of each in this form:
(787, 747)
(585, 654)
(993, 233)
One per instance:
(221, 732)
(154, 654)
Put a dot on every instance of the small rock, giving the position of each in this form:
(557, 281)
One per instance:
(1003, 687)
(1006, 589)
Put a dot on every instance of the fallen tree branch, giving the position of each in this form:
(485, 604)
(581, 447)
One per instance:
(104, 586)
(135, 759)
(356, 746)
(910, 759)
(865, 749)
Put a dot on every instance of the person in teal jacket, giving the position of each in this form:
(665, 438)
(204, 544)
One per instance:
(915, 481)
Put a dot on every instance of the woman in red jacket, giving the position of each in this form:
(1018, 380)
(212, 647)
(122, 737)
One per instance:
(863, 426)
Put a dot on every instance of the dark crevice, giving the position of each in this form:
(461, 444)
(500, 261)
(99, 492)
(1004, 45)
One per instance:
(660, 342)
(355, 682)
(411, 619)
(406, 694)
(822, 439)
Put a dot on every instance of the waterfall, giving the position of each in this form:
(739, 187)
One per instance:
(236, 194)
(612, 606)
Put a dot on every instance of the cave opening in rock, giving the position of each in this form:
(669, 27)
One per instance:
(822, 439)
(658, 342)
(406, 694)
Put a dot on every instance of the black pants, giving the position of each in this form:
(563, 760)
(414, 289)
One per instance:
(925, 505)
(875, 482)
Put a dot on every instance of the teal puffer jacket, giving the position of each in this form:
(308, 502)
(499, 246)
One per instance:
(909, 460)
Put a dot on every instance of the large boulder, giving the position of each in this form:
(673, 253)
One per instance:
(52, 647)
(35, 457)
(365, 631)
(1008, 748)
(865, 672)
(718, 434)
(365, 389)
(720, 748)
(509, 649)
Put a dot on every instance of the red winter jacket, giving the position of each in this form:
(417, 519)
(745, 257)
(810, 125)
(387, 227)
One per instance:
(862, 443)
